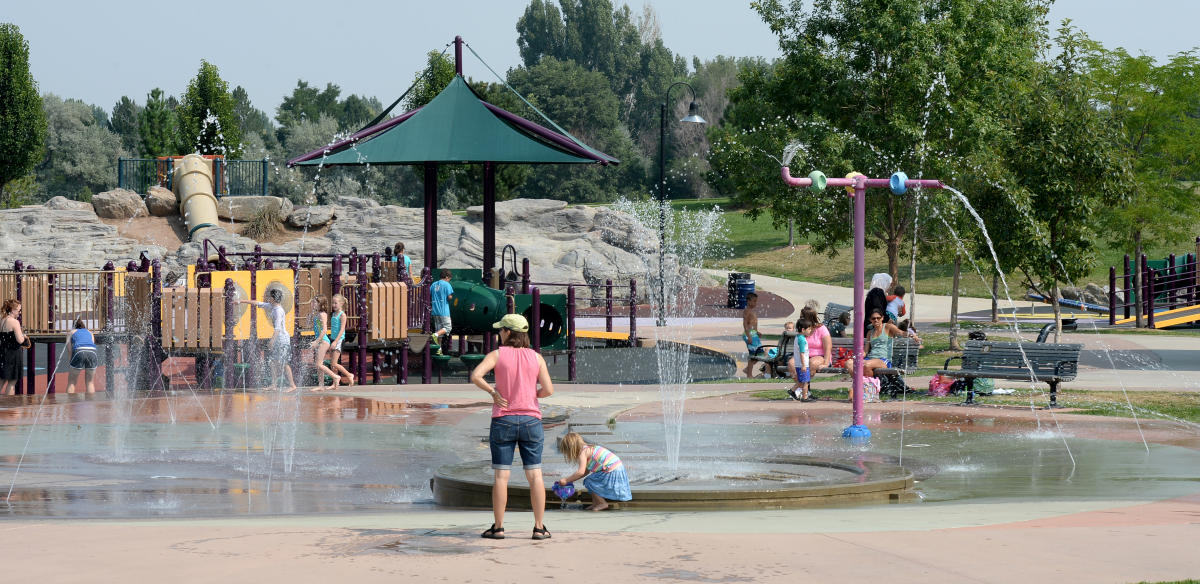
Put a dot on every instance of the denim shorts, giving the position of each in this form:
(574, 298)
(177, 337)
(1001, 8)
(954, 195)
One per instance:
(511, 432)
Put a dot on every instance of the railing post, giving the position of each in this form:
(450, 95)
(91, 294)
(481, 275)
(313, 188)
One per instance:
(18, 267)
(1150, 296)
(376, 268)
(265, 174)
(1112, 295)
(120, 173)
(155, 352)
(109, 327)
(535, 326)
(229, 346)
(608, 306)
(363, 318)
(1170, 282)
(1127, 283)
(252, 342)
(335, 275)
(571, 328)
(50, 361)
(1146, 298)
(525, 277)
(632, 312)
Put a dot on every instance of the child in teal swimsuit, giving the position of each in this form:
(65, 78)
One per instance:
(602, 472)
(320, 344)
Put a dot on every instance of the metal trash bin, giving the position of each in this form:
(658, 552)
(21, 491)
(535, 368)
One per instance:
(731, 288)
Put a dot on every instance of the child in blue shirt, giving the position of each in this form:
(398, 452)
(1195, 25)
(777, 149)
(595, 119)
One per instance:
(799, 390)
(440, 293)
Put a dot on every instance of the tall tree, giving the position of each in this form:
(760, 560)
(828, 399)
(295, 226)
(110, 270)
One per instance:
(22, 121)
(1158, 108)
(541, 32)
(81, 153)
(124, 123)
(430, 81)
(867, 69)
(207, 121)
(157, 126)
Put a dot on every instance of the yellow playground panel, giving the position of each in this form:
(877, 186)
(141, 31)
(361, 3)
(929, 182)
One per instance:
(282, 280)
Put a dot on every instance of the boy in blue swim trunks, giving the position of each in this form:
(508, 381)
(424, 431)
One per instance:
(754, 347)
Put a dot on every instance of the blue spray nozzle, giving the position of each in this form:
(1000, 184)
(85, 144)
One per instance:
(898, 183)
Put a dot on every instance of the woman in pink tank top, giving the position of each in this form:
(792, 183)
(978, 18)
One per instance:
(516, 418)
(820, 344)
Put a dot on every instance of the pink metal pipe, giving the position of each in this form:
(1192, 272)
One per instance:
(860, 184)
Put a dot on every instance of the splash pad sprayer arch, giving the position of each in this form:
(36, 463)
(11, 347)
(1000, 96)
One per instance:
(857, 185)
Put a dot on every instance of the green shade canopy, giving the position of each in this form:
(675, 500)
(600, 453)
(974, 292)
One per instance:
(457, 126)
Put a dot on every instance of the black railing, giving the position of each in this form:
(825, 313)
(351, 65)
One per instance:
(232, 177)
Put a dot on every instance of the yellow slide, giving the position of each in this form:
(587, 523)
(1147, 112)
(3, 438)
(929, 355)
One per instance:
(193, 182)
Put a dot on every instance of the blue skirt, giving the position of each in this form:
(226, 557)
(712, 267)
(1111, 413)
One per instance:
(613, 485)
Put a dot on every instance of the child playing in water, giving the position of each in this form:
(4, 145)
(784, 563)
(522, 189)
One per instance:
(320, 344)
(602, 472)
(754, 348)
(280, 350)
(337, 334)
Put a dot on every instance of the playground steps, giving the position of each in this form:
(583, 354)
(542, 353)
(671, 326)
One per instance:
(1173, 317)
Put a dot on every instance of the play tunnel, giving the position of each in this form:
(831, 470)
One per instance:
(475, 307)
(193, 184)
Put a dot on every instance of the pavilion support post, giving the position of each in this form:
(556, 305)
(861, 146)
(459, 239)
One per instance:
(489, 217)
(431, 207)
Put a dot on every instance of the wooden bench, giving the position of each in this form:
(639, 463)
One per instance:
(1045, 362)
(904, 361)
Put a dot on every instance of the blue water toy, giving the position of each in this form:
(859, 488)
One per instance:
(898, 183)
(564, 492)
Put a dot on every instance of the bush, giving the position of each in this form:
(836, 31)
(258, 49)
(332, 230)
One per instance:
(263, 225)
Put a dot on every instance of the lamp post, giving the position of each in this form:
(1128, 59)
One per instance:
(694, 118)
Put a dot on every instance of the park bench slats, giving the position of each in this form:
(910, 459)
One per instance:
(1050, 363)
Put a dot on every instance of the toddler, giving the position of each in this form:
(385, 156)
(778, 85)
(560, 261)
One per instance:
(601, 470)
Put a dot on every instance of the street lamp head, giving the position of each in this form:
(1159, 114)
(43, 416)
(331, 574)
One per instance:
(694, 114)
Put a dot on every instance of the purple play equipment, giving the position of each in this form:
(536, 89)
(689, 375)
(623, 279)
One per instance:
(899, 183)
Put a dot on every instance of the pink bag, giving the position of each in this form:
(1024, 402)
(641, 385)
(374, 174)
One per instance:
(939, 385)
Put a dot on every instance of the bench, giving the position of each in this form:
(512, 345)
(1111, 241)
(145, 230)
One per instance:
(1045, 362)
(778, 365)
(834, 311)
(904, 361)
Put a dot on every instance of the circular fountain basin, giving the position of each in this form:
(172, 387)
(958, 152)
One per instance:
(771, 483)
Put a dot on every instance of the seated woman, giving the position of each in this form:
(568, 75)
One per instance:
(879, 338)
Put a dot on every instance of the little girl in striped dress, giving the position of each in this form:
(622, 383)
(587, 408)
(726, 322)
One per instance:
(605, 474)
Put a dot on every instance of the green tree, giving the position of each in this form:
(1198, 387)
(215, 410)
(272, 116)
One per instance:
(207, 121)
(1067, 160)
(22, 120)
(81, 153)
(541, 32)
(252, 121)
(1158, 109)
(124, 123)
(430, 81)
(157, 126)
(866, 69)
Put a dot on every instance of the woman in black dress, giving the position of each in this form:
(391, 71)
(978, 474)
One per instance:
(12, 337)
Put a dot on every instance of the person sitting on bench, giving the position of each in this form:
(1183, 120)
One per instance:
(879, 336)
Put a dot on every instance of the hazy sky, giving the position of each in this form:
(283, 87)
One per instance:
(98, 52)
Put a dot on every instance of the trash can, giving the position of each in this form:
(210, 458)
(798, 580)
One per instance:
(744, 287)
(731, 288)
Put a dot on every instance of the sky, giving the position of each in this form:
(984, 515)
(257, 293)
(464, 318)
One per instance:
(100, 52)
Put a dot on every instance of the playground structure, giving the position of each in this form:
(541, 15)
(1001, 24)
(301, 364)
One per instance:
(856, 186)
(139, 323)
(192, 181)
(1168, 290)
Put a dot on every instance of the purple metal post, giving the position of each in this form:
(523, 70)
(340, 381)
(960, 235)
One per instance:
(1147, 299)
(1150, 295)
(526, 277)
(50, 361)
(253, 342)
(109, 299)
(431, 206)
(363, 320)
(1127, 283)
(571, 328)
(154, 350)
(535, 324)
(608, 313)
(335, 275)
(458, 43)
(860, 184)
(489, 217)
(376, 268)
(1112, 295)
(632, 312)
(229, 346)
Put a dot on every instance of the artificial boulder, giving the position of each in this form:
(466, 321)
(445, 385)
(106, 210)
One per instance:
(61, 203)
(313, 216)
(245, 208)
(119, 204)
(162, 202)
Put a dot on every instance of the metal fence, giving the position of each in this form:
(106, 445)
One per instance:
(232, 177)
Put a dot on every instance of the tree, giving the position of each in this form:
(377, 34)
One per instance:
(252, 121)
(1067, 161)
(124, 123)
(207, 122)
(541, 32)
(1157, 107)
(430, 81)
(866, 69)
(81, 153)
(22, 120)
(157, 126)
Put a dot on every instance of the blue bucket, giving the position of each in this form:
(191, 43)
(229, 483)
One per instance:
(744, 287)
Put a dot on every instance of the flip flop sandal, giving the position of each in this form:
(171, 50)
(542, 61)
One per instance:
(493, 533)
(542, 533)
